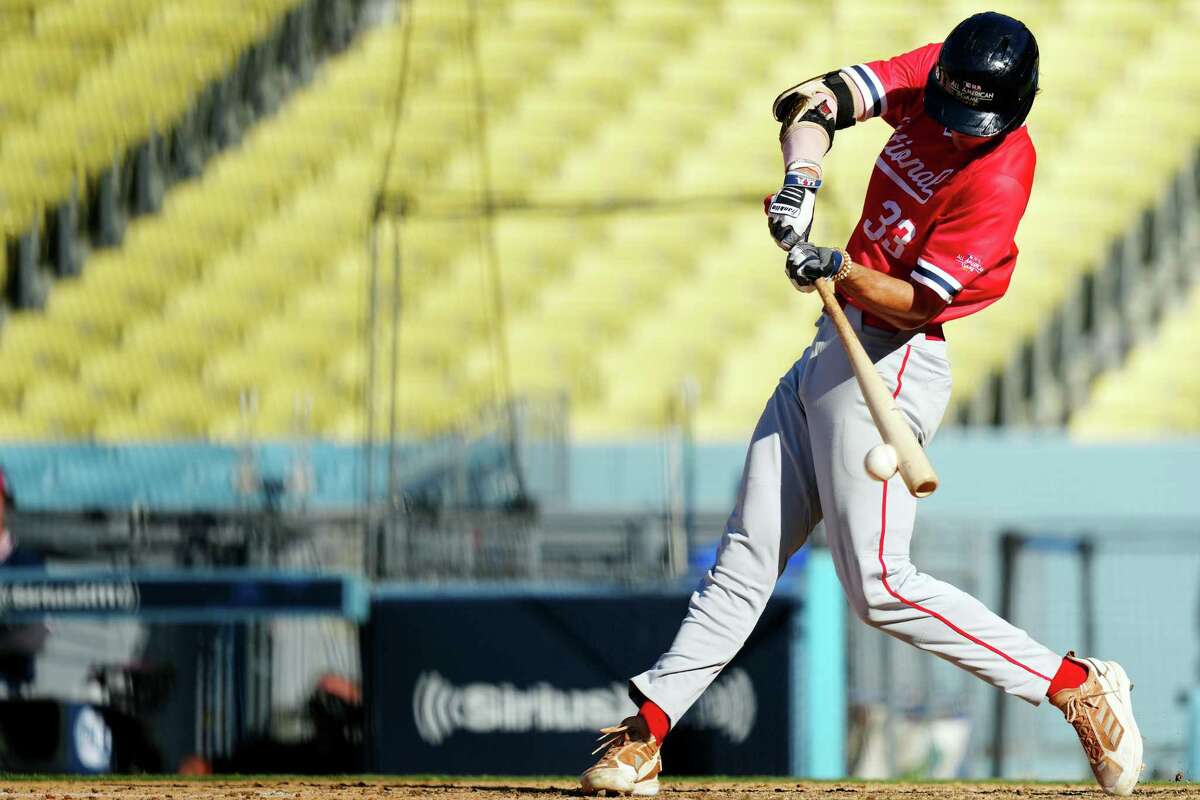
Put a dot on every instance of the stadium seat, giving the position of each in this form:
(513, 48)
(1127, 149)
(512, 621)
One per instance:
(181, 409)
(53, 347)
(61, 409)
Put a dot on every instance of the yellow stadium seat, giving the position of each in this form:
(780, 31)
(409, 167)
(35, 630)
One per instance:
(20, 369)
(182, 409)
(424, 407)
(122, 428)
(20, 428)
(48, 345)
(341, 312)
(91, 310)
(233, 373)
(298, 410)
(63, 408)
(179, 343)
(118, 378)
(349, 426)
(288, 344)
(221, 309)
(284, 410)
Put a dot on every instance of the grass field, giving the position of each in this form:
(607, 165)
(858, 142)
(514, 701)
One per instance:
(516, 788)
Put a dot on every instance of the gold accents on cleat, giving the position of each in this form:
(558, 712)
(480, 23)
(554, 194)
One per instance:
(630, 762)
(1102, 715)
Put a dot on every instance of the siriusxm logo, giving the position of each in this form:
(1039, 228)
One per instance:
(440, 709)
(728, 706)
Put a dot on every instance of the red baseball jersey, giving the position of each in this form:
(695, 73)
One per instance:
(933, 214)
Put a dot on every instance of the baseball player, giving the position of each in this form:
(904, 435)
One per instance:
(934, 243)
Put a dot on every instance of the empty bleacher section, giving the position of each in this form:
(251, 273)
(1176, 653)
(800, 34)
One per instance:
(107, 101)
(174, 83)
(627, 146)
(1156, 392)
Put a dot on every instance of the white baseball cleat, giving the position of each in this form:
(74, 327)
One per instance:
(1102, 713)
(630, 763)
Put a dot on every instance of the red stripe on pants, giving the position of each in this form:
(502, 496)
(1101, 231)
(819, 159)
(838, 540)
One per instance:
(918, 606)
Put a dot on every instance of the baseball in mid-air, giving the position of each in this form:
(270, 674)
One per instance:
(881, 462)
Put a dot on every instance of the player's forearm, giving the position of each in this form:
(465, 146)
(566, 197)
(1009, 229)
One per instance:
(895, 301)
(804, 149)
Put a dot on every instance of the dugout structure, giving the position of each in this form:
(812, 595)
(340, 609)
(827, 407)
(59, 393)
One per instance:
(221, 639)
(149, 668)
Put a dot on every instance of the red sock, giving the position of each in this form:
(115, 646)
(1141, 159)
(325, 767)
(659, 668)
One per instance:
(1070, 675)
(656, 720)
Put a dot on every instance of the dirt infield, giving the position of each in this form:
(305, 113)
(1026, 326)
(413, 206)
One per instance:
(533, 789)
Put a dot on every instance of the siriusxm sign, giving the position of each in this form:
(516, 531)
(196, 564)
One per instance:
(440, 708)
(522, 683)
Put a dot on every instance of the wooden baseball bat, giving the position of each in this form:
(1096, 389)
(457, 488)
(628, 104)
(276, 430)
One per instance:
(915, 468)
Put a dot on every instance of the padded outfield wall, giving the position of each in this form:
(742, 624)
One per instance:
(1136, 503)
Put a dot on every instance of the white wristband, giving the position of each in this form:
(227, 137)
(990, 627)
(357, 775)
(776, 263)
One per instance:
(804, 163)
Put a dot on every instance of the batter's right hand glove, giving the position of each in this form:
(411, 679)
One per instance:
(807, 263)
(790, 210)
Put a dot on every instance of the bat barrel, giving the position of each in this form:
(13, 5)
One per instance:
(916, 471)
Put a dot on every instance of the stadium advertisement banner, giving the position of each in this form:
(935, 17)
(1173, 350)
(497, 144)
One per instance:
(178, 595)
(521, 683)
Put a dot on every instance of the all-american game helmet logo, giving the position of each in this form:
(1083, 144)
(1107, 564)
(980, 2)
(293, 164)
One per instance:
(970, 93)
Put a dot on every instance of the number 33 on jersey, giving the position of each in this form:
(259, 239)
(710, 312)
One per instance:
(902, 231)
(936, 215)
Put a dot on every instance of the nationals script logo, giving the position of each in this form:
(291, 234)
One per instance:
(906, 170)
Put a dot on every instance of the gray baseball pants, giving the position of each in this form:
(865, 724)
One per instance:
(805, 464)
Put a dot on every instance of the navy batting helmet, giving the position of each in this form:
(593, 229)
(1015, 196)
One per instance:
(986, 76)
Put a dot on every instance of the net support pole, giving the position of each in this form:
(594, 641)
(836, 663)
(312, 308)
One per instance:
(1010, 546)
(1087, 596)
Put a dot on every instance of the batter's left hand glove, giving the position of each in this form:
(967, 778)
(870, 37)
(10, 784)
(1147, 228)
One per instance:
(808, 262)
(790, 210)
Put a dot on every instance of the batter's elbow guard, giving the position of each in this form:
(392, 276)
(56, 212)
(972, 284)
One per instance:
(845, 100)
(793, 105)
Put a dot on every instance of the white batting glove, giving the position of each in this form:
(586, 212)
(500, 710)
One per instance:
(790, 210)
